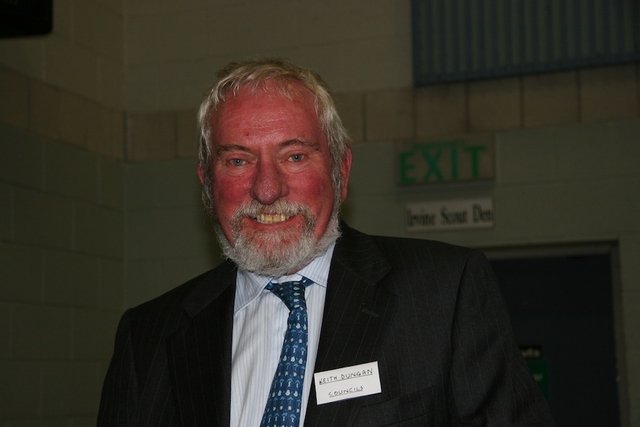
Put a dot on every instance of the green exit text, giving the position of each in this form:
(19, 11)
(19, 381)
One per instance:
(445, 161)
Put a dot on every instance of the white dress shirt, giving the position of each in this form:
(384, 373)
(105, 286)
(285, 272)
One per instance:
(259, 325)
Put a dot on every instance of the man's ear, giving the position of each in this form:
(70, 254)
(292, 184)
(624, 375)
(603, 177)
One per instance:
(345, 170)
(201, 174)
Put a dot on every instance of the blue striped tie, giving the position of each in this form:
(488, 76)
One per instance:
(285, 397)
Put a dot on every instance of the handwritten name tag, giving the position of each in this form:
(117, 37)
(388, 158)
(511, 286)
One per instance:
(347, 383)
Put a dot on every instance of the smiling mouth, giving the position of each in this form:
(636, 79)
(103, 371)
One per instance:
(271, 218)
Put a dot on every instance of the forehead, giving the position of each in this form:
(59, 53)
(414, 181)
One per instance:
(288, 105)
(284, 93)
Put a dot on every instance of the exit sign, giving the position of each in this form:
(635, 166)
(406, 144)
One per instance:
(462, 159)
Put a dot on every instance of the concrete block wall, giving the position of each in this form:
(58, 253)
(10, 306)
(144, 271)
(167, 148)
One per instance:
(84, 55)
(121, 80)
(563, 98)
(175, 48)
(169, 236)
(62, 269)
(60, 115)
(62, 141)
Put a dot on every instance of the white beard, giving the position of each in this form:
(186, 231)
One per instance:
(279, 253)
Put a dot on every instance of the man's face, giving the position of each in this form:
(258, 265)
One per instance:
(272, 172)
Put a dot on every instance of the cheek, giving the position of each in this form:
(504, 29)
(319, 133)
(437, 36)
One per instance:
(317, 194)
(227, 196)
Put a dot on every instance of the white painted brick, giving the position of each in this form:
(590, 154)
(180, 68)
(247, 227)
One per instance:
(118, 128)
(72, 118)
(71, 67)
(188, 135)
(550, 99)
(43, 109)
(99, 29)
(629, 256)
(157, 7)
(70, 388)
(631, 318)
(41, 332)
(351, 109)
(386, 18)
(609, 93)
(183, 84)
(441, 110)
(19, 388)
(6, 209)
(144, 280)
(164, 38)
(117, 5)
(21, 157)
(530, 158)
(43, 219)
(255, 30)
(94, 333)
(99, 230)
(112, 83)
(143, 46)
(25, 54)
(111, 284)
(21, 269)
(101, 136)
(111, 184)
(151, 136)
(377, 62)
(63, 23)
(389, 115)
(14, 102)
(597, 150)
(495, 105)
(6, 329)
(331, 21)
(71, 279)
(142, 88)
(71, 171)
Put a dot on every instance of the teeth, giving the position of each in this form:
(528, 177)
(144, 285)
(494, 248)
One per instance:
(271, 218)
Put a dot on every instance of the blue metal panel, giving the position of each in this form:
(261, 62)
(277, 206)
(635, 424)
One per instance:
(457, 40)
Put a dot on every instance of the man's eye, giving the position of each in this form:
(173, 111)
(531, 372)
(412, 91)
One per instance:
(237, 162)
(296, 157)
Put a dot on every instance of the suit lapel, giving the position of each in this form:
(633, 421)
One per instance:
(355, 314)
(200, 353)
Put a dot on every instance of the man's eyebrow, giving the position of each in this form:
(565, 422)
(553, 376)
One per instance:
(295, 141)
(290, 142)
(229, 147)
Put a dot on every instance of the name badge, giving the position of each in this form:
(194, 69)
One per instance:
(347, 383)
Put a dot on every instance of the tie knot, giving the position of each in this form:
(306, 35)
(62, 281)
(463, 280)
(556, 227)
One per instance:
(291, 293)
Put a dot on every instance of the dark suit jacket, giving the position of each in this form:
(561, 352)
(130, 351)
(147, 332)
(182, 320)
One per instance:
(428, 312)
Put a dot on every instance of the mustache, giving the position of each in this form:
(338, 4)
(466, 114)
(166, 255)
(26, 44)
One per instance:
(254, 209)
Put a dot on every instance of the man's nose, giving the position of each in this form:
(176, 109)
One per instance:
(269, 183)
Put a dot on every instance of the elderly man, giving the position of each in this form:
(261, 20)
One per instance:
(310, 322)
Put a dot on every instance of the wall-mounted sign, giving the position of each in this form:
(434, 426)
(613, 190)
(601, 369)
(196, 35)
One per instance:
(537, 365)
(463, 159)
(450, 215)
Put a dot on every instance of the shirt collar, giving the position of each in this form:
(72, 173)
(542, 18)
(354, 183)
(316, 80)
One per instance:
(249, 285)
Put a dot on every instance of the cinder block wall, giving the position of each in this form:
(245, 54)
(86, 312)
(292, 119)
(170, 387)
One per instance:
(62, 214)
(99, 205)
(61, 263)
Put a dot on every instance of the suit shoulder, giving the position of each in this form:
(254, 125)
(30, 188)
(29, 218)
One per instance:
(403, 245)
(372, 255)
(172, 302)
(429, 258)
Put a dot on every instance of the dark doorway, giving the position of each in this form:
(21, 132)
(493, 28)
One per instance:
(563, 306)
